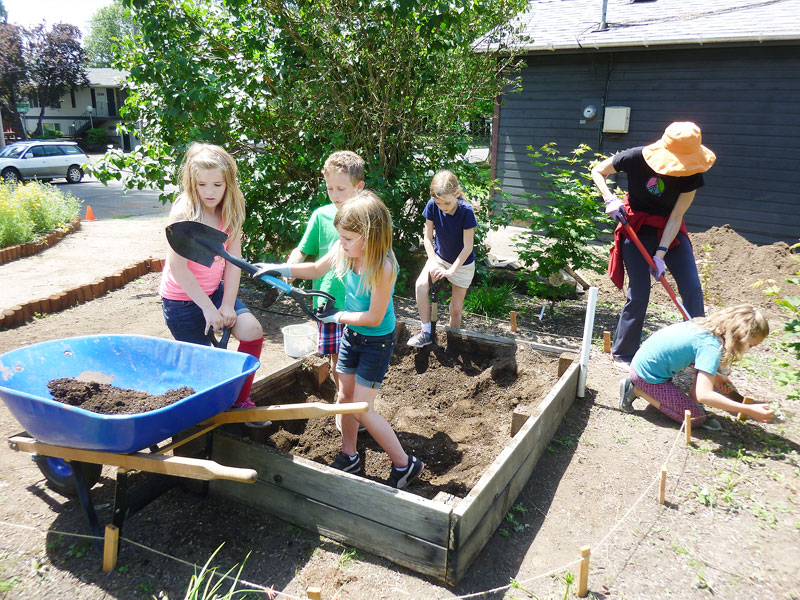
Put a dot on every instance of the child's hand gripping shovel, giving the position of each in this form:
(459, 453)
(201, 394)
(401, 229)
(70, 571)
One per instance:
(201, 243)
(635, 239)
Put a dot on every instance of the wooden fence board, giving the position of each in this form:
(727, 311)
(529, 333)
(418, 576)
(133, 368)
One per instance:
(418, 517)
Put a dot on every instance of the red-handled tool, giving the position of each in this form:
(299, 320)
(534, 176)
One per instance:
(635, 239)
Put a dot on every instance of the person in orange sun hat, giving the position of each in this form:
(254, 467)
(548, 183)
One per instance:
(662, 180)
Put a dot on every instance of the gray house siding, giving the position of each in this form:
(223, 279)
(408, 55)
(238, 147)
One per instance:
(745, 99)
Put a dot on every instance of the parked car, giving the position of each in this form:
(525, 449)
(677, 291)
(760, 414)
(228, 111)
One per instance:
(42, 160)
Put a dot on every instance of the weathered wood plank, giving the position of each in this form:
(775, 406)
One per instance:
(276, 381)
(483, 513)
(416, 516)
(523, 451)
(476, 338)
(349, 527)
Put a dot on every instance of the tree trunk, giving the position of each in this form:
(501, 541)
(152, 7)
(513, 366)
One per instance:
(38, 130)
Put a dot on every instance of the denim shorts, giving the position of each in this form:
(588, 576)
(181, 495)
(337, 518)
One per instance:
(367, 356)
(185, 319)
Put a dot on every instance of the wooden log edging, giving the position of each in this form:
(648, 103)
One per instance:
(58, 301)
(43, 243)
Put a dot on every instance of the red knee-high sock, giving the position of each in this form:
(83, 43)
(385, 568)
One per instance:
(253, 348)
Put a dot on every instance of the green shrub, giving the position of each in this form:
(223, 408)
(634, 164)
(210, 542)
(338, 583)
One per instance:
(97, 136)
(567, 221)
(32, 209)
(490, 299)
(48, 134)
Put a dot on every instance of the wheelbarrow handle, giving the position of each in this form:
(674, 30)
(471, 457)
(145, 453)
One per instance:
(649, 259)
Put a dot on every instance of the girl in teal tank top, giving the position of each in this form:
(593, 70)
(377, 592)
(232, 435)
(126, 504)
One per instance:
(363, 258)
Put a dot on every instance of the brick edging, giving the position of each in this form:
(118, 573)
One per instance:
(22, 313)
(30, 248)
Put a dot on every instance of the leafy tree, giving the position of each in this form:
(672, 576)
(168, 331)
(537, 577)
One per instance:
(56, 62)
(3, 13)
(13, 74)
(108, 26)
(283, 84)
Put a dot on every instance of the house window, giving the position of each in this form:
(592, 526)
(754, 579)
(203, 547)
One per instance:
(34, 99)
(72, 98)
(94, 99)
(55, 127)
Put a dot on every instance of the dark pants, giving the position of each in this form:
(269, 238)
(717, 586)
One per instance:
(680, 262)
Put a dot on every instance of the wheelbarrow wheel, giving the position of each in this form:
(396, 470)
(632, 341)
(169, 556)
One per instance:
(58, 473)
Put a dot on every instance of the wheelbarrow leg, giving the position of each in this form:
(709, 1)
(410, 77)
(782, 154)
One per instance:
(128, 501)
(88, 507)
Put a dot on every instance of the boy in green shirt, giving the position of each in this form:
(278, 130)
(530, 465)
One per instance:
(344, 178)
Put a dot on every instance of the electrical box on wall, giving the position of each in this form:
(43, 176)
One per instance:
(617, 119)
(590, 113)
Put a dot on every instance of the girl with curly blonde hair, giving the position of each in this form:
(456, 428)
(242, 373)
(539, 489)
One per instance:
(708, 343)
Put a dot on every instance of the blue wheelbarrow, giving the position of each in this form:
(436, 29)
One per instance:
(70, 444)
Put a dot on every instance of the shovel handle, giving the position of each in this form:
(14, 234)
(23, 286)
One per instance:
(663, 280)
(223, 341)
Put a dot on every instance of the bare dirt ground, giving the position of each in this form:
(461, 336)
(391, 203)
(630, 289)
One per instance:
(730, 527)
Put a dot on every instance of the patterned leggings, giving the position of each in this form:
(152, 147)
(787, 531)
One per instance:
(674, 401)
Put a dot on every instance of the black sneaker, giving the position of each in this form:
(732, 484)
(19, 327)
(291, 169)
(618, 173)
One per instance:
(626, 395)
(342, 462)
(400, 479)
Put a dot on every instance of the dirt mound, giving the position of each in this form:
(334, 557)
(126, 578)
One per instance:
(729, 265)
(109, 400)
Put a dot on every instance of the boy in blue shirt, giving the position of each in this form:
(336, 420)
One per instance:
(449, 242)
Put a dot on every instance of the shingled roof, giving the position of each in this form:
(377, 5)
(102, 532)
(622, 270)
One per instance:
(553, 25)
(105, 77)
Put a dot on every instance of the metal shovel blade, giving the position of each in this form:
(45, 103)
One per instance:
(201, 243)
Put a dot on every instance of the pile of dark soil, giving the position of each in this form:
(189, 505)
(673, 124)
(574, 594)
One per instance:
(109, 400)
(450, 405)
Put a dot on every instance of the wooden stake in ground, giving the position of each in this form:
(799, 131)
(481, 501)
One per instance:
(583, 572)
(687, 418)
(662, 489)
(742, 416)
(110, 548)
(606, 342)
(513, 317)
(314, 593)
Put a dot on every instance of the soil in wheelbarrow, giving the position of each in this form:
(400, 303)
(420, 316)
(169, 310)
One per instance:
(450, 405)
(110, 400)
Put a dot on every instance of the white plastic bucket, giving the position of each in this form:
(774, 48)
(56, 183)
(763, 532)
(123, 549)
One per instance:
(299, 340)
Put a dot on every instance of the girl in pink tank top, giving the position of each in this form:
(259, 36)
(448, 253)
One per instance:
(197, 300)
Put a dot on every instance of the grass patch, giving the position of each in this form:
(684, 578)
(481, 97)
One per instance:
(490, 299)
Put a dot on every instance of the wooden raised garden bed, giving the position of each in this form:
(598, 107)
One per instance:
(438, 537)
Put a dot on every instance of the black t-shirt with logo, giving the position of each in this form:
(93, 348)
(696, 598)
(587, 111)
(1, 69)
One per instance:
(649, 191)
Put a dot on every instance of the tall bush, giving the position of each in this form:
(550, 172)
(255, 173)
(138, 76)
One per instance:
(282, 85)
(565, 223)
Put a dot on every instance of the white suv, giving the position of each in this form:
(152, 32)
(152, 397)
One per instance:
(43, 160)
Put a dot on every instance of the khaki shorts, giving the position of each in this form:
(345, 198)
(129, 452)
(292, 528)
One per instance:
(463, 275)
